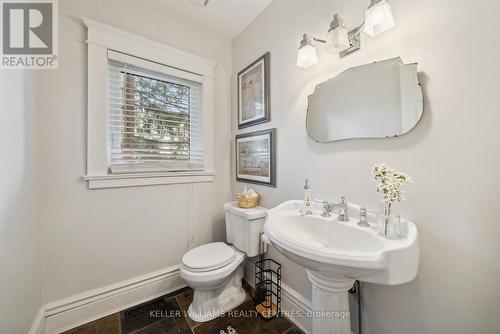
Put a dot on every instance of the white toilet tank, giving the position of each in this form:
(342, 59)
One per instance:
(243, 227)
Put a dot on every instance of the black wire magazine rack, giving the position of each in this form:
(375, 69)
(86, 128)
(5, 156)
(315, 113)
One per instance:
(268, 285)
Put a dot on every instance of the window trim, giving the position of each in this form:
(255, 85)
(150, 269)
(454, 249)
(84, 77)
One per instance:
(100, 39)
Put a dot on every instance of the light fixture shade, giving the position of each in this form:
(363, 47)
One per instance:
(337, 39)
(306, 57)
(378, 17)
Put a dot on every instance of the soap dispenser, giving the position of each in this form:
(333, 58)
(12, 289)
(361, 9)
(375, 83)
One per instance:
(307, 206)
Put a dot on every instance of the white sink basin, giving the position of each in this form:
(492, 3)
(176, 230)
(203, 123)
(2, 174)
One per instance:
(336, 254)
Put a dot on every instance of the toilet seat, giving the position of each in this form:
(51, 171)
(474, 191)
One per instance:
(211, 278)
(208, 257)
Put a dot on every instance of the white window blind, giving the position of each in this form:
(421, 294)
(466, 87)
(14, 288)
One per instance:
(154, 116)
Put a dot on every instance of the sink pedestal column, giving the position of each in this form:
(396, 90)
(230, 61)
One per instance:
(330, 304)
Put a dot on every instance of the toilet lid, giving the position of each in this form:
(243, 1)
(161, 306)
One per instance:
(208, 257)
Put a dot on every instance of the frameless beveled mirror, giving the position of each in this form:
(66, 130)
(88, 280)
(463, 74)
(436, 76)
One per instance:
(377, 100)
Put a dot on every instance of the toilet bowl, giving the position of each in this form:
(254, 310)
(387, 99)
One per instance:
(217, 286)
(215, 270)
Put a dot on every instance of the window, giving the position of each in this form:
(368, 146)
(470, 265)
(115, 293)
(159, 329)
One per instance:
(154, 117)
(149, 112)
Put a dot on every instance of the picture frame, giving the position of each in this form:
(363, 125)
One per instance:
(256, 157)
(254, 93)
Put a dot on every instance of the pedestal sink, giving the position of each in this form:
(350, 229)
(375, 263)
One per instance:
(336, 254)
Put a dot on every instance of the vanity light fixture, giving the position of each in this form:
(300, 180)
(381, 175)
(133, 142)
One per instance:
(378, 18)
(307, 56)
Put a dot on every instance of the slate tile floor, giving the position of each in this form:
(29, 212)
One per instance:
(166, 315)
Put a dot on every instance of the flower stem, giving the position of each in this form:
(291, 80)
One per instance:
(387, 215)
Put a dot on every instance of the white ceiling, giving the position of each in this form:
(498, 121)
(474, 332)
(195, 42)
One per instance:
(227, 18)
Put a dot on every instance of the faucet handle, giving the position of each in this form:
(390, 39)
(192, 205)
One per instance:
(327, 207)
(363, 218)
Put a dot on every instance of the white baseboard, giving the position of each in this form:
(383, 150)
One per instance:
(297, 307)
(39, 322)
(71, 312)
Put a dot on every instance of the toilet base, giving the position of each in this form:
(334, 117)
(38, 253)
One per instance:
(209, 304)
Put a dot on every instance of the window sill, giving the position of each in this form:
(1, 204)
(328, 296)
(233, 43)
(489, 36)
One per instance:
(146, 179)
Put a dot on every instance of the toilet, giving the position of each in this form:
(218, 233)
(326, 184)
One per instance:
(215, 270)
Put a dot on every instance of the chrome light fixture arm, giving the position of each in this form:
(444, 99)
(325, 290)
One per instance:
(378, 18)
(307, 40)
(319, 40)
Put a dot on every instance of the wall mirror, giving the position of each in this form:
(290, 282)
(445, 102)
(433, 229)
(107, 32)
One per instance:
(377, 100)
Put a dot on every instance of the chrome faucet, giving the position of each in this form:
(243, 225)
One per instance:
(329, 207)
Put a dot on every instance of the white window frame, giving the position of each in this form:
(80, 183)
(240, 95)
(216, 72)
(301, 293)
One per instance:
(102, 38)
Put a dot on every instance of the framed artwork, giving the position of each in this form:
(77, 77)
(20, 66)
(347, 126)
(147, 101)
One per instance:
(256, 157)
(253, 93)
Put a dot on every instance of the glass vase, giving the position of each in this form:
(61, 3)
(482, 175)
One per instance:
(388, 224)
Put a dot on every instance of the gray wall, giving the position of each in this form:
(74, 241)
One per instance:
(20, 273)
(452, 154)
